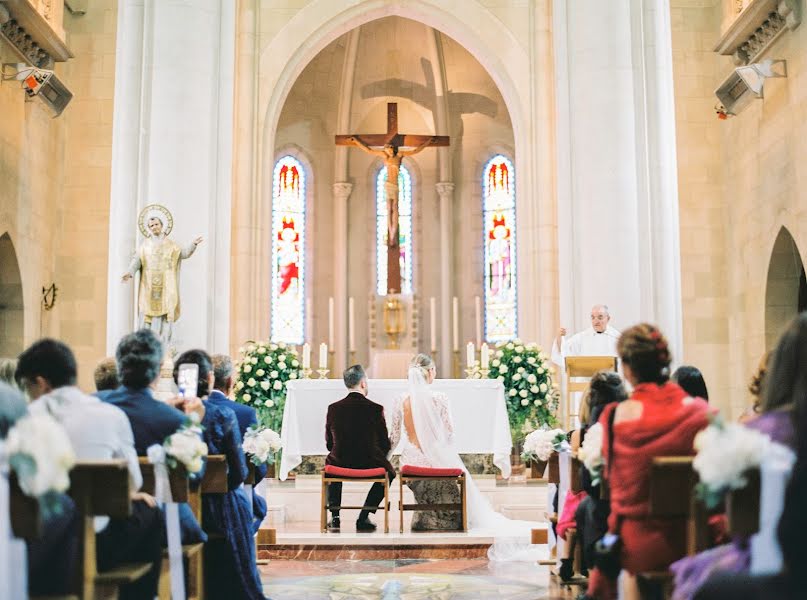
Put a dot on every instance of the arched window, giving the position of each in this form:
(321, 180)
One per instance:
(288, 251)
(404, 230)
(499, 210)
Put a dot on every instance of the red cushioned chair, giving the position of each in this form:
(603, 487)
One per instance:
(332, 474)
(412, 473)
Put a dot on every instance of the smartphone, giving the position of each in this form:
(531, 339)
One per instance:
(188, 380)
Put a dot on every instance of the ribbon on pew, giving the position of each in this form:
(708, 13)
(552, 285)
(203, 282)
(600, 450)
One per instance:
(13, 559)
(775, 469)
(162, 491)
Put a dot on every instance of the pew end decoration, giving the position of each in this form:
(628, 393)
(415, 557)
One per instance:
(726, 454)
(529, 387)
(40, 454)
(261, 445)
(590, 453)
(185, 447)
(261, 374)
(540, 444)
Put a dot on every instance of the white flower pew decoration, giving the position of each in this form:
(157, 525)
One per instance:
(261, 444)
(590, 453)
(540, 444)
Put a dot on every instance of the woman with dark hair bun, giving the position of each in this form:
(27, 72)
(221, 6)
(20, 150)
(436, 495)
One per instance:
(691, 380)
(658, 419)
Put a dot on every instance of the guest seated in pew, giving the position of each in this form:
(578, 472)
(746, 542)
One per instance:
(591, 516)
(106, 375)
(691, 381)
(52, 557)
(97, 431)
(658, 419)
(139, 357)
(247, 417)
(755, 389)
(230, 569)
(783, 402)
(7, 368)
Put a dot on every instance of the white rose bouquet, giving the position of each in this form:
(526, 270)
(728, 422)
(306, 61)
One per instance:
(539, 445)
(590, 453)
(39, 452)
(261, 376)
(260, 445)
(726, 451)
(531, 392)
(186, 447)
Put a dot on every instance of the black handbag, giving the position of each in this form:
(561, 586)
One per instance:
(608, 549)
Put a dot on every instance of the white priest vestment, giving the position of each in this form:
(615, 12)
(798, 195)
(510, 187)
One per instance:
(586, 343)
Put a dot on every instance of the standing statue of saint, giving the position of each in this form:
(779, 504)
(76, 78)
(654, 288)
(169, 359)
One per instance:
(158, 260)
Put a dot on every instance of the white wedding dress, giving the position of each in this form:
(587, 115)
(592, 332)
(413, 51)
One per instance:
(434, 432)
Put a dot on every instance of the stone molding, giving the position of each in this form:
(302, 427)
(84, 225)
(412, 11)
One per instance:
(757, 28)
(32, 36)
(342, 190)
(444, 189)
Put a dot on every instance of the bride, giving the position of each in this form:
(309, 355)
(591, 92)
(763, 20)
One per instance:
(423, 420)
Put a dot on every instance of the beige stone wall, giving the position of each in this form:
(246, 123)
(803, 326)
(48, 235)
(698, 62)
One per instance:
(54, 188)
(702, 203)
(741, 181)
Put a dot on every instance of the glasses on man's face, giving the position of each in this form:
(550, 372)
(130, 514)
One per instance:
(598, 317)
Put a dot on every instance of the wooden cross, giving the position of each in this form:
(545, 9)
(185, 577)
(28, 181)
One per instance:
(388, 146)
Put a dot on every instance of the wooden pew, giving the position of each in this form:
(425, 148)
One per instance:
(266, 537)
(672, 497)
(100, 488)
(742, 507)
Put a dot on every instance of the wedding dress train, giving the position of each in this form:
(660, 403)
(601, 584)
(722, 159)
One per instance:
(431, 444)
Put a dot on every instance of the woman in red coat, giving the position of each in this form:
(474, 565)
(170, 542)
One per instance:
(659, 419)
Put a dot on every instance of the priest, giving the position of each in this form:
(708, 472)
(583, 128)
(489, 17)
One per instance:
(598, 340)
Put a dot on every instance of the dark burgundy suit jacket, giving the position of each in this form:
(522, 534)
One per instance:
(356, 434)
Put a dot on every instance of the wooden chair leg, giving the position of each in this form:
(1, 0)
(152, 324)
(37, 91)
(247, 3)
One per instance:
(323, 522)
(386, 504)
(464, 504)
(400, 502)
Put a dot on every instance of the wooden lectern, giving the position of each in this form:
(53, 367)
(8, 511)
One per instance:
(578, 367)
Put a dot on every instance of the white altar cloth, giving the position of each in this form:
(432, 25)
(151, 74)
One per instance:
(477, 407)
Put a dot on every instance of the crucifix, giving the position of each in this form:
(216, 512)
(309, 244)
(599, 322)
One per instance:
(389, 147)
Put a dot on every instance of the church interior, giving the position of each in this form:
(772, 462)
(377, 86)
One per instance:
(510, 199)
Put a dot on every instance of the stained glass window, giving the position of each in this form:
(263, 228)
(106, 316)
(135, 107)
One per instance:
(404, 230)
(499, 210)
(288, 251)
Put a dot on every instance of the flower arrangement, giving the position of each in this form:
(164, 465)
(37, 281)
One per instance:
(186, 447)
(40, 454)
(590, 452)
(539, 445)
(261, 376)
(726, 451)
(531, 393)
(260, 445)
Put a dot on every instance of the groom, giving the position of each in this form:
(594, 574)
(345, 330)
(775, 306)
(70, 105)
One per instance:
(356, 437)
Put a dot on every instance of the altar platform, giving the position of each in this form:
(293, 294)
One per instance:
(294, 514)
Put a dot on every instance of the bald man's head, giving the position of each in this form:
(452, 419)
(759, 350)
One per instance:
(600, 317)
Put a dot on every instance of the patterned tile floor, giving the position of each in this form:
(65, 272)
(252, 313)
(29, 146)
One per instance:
(452, 579)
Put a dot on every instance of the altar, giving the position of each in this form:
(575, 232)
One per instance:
(477, 407)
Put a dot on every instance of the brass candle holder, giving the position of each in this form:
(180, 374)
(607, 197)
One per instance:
(306, 373)
(394, 321)
(323, 373)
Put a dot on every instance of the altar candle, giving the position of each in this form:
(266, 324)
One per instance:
(456, 322)
(323, 355)
(484, 357)
(351, 325)
(478, 319)
(470, 355)
(306, 356)
(330, 322)
(433, 324)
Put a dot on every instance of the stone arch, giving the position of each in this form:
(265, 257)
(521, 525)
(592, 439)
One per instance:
(786, 287)
(11, 300)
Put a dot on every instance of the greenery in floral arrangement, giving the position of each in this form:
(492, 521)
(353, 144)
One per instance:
(531, 394)
(262, 372)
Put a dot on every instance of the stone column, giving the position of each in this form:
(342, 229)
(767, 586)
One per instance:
(445, 190)
(172, 145)
(341, 194)
(618, 224)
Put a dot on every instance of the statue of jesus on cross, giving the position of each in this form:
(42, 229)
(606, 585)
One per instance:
(389, 147)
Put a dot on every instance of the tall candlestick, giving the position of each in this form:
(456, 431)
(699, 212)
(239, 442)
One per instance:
(470, 355)
(351, 325)
(323, 355)
(478, 319)
(433, 324)
(330, 323)
(456, 322)
(484, 357)
(306, 356)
